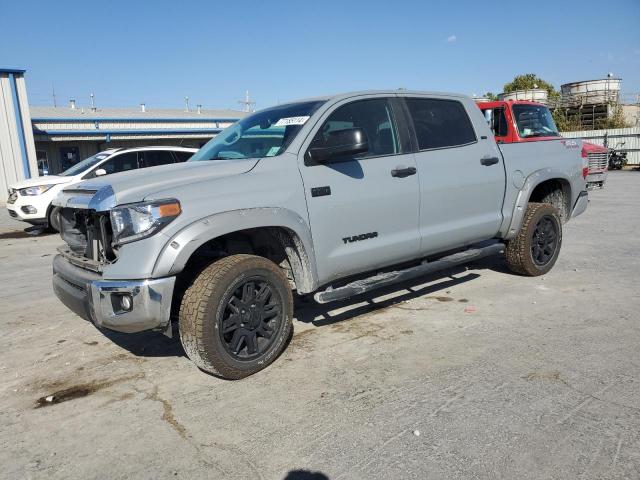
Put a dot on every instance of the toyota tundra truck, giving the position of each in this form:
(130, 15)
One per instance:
(332, 196)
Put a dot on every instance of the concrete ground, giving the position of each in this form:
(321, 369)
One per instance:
(480, 374)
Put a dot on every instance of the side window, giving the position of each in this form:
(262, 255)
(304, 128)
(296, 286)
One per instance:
(499, 123)
(440, 123)
(373, 116)
(153, 158)
(121, 163)
(182, 156)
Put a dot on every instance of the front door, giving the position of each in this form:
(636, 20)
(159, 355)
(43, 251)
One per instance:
(462, 177)
(363, 208)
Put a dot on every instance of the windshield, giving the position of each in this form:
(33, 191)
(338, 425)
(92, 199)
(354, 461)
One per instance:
(264, 134)
(534, 121)
(85, 164)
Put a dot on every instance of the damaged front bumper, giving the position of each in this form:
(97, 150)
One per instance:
(121, 305)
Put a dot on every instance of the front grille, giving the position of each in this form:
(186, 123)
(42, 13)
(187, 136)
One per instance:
(13, 196)
(13, 214)
(597, 162)
(88, 234)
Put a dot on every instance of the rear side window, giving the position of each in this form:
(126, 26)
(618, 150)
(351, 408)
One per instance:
(440, 123)
(153, 158)
(182, 156)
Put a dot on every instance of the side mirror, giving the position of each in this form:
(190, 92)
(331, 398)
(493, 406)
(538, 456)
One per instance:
(100, 172)
(350, 141)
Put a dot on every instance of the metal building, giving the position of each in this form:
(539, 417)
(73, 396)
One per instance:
(17, 152)
(47, 140)
(591, 101)
(539, 95)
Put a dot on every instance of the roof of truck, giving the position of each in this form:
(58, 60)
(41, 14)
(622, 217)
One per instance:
(400, 91)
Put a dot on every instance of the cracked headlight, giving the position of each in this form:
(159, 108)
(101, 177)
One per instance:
(140, 220)
(35, 190)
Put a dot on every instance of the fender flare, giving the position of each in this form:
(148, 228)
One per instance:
(531, 182)
(179, 248)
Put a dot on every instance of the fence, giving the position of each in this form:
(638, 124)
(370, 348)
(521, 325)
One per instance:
(615, 136)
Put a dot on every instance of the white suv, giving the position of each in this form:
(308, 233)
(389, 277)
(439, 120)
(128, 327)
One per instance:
(30, 200)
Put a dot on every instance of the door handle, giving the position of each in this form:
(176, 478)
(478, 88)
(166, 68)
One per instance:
(401, 172)
(486, 161)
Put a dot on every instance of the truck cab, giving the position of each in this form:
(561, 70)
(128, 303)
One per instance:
(517, 121)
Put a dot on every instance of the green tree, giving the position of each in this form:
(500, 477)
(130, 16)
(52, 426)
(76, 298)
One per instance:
(564, 122)
(491, 96)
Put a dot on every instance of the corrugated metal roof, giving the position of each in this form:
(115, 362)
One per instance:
(12, 70)
(151, 113)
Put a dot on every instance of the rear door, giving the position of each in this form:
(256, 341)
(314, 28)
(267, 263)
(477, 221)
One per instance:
(362, 215)
(182, 156)
(462, 178)
(153, 158)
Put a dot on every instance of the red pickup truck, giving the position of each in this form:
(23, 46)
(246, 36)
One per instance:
(517, 121)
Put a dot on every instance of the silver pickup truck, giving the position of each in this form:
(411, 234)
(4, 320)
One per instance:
(333, 196)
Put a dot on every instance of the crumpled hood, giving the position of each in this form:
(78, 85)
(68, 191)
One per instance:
(44, 180)
(136, 185)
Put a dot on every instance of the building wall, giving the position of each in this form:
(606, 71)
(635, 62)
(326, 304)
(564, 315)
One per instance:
(615, 136)
(631, 114)
(17, 149)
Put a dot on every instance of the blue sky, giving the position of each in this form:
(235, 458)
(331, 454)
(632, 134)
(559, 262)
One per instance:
(159, 52)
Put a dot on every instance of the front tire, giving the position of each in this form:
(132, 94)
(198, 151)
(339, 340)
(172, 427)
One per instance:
(236, 317)
(536, 247)
(53, 222)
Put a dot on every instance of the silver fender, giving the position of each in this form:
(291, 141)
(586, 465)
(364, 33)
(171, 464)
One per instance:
(530, 183)
(183, 244)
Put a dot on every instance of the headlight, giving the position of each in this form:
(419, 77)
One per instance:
(139, 220)
(37, 190)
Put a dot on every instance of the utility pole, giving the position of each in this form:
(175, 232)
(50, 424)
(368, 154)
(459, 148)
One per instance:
(247, 102)
(53, 92)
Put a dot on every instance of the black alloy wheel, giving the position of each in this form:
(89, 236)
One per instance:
(250, 319)
(544, 241)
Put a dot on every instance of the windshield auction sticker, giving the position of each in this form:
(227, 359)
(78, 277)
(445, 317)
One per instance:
(283, 122)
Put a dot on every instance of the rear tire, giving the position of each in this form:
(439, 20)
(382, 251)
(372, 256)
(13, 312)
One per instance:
(236, 317)
(536, 247)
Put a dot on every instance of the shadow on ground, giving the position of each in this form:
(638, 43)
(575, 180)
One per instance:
(26, 233)
(305, 475)
(155, 344)
(148, 344)
(308, 311)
